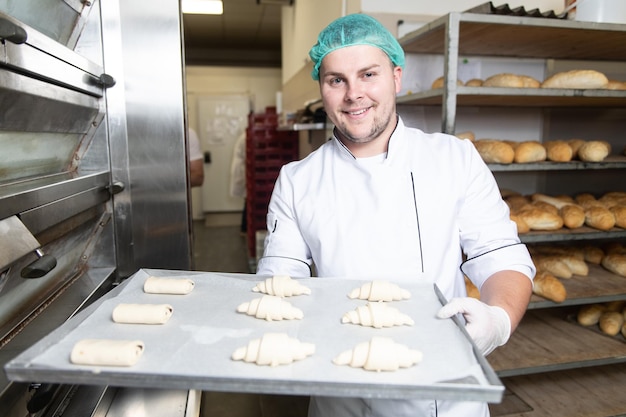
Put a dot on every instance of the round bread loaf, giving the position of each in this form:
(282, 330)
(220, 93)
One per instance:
(558, 151)
(578, 79)
(474, 82)
(529, 151)
(589, 315)
(509, 80)
(594, 151)
(611, 322)
(495, 151)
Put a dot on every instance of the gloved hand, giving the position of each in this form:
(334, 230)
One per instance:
(488, 326)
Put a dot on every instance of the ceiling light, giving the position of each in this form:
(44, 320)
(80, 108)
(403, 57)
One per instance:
(202, 7)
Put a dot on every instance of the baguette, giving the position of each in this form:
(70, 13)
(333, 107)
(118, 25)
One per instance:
(538, 219)
(615, 263)
(578, 79)
(548, 286)
(509, 80)
(589, 315)
(611, 322)
(554, 265)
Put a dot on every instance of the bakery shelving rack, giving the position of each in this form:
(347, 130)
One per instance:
(551, 366)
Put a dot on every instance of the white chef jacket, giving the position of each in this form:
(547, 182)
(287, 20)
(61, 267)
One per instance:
(409, 214)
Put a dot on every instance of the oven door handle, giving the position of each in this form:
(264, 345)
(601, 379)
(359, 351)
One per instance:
(11, 32)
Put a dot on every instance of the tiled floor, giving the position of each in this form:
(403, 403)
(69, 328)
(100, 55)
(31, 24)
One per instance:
(223, 249)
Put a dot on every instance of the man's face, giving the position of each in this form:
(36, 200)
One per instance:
(359, 86)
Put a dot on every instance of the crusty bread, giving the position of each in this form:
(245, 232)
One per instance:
(594, 151)
(548, 286)
(613, 198)
(509, 80)
(553, 265)
(474, 82)
(538, 219)
(593, 254)
(546, 207)
(495, 151)
(615, 263)
(589, 315)
(599, 218)
(558, 151)
(529, 151)
(576, 265)
(611, 322)
(573, 216)
(619, 212)
(616, 85)
(522, 226)
(578, 79)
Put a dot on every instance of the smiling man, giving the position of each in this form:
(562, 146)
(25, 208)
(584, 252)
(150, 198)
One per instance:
(385, 200)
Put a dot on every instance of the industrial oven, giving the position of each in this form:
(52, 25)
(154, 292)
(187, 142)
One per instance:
(93, 175)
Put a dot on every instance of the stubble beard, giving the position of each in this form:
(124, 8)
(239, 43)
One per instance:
(378, 127)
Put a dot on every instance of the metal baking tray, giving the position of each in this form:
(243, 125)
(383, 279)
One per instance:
(192, 350)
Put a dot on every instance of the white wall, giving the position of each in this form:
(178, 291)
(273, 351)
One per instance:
(261, 84)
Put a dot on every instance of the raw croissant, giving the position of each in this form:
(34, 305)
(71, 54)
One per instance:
(377, 315)
(270, 307)
(282, 286)
(379, 354)
(380, 291)
(274, 349)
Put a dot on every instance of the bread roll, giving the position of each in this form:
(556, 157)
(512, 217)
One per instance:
(548, 286)
(439, 82)
(508, 80)
(584, 198)
(582, 79)
(529, 151)
(619, 212)
(599, 218)
(474, 82)
(546, 207)
(594, 151)
(611, 322)
(589, 315)
(538, 219)
(573, 216)
(613, 198)
(554, 265)
(575, 144)
(522, 226)
(616, 305)
(593, 254)
(558, 151)
(615, 263)
(516, 202)
(495, 151)
(576, 265)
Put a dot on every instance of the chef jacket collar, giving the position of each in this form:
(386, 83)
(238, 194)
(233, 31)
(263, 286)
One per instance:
(395, 138)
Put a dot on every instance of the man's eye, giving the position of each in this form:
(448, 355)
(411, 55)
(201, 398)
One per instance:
(368, 74)
(335, 81)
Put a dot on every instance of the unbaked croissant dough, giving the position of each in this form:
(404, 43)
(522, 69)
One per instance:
(168, 285)
(379, 290)
(271, 307)
(282, 286)
(379, 354)
(273, 349)
(142, 313)
(107, 352)
(377, 314)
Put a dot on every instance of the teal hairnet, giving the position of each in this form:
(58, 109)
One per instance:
(350, 30)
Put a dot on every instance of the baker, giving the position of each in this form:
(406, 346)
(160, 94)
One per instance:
(381, 199)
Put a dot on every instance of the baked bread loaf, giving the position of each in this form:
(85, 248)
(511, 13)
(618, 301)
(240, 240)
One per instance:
(474, 82)
(573, 216)
(509, 80)
(575, 144)
(548, 286)
(538, 219)
(600, 218)
(616, 85)
(589, 315)
(558, 151)
(615, 263)
(593, 254)
(529, 151)
(553, 265)
(494, 151)
(578, 79)
(611, 322)
(522, 226)
(619, 212)
(594, 151)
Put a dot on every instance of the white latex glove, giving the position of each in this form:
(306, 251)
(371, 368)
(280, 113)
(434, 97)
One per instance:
(488, 326)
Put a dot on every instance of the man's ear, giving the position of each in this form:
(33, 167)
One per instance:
(397, 77)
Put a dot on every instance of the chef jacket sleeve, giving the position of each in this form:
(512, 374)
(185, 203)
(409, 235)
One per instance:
(488, 235)
(286, 251)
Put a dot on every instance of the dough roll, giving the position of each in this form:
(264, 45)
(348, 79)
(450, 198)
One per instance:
(178, 286)
(142, 313)
(107, 352)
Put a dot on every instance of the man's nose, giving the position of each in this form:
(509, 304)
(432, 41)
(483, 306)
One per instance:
(354, 92)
